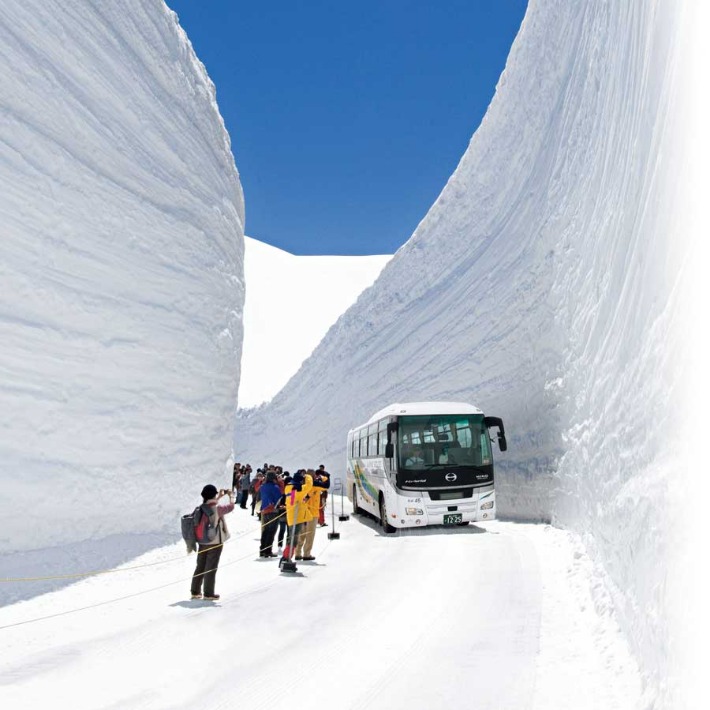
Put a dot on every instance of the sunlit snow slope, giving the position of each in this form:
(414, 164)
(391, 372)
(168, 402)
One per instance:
(121, 278)
(540, 287)
(291, 302)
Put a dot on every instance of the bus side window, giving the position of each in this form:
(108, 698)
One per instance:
(382, 438)
(372, 440)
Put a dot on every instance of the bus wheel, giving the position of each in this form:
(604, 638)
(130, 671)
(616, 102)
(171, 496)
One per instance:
(465, 522)
(356, 508)
(383, 517)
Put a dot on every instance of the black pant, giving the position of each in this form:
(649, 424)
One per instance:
(206, 569)
(292, 536)
(243, 495)
(269, 523)
(282, 527)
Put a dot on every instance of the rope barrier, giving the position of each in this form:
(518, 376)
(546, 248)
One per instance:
(147, 591)
(80, 575)
(92, 573)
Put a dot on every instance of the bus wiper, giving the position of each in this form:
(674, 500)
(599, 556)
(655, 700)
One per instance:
(456, 466)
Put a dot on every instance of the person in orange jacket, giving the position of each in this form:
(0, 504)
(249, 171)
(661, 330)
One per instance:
(297, 511)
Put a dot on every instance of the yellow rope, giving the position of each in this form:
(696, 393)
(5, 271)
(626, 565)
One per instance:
(138, 594)
(79, 575)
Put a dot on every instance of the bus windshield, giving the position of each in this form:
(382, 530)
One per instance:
(447, 440)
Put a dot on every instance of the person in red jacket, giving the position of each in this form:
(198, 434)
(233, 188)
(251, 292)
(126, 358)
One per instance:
(323, 496)
(254, 489)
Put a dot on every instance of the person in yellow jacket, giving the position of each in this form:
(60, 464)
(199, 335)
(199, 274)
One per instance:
(304, 544)
(297, 511)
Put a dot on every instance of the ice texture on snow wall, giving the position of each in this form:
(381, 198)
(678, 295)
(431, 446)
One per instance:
(121, 278)
(538, 287)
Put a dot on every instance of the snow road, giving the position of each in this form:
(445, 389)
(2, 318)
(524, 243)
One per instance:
(498, 616)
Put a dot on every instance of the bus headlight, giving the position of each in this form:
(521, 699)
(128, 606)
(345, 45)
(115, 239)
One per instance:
(487, 506)
(414, 511)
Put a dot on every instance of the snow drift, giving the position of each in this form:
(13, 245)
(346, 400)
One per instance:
(121, 284)
(540, 287)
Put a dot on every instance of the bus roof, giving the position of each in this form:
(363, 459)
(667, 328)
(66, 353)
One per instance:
(423, 408)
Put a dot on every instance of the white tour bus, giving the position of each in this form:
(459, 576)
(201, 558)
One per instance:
(424, 463)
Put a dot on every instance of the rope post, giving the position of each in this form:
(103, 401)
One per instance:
(288, 565)
(342, 515)
(334, 535)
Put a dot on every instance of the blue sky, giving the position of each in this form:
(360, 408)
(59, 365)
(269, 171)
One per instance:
(347, 118)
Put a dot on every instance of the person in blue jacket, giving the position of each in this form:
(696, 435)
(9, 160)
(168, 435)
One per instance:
(270, 493)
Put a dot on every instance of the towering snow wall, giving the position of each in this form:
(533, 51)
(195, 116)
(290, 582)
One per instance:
(121, 278)
(541, 287)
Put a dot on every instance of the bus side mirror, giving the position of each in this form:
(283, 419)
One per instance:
(497, 422)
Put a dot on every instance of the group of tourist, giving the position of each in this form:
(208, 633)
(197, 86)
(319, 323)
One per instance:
(289, 507)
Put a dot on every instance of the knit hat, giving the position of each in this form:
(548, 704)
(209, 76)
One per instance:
(208, 492)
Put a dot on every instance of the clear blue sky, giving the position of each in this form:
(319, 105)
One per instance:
(347, 118)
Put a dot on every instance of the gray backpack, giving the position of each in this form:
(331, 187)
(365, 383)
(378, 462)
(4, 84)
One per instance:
(197, 528)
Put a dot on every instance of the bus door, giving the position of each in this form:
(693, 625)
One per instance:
(388, 433)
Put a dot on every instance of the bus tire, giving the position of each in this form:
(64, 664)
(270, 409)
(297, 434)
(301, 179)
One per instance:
(465, 522)
(383, 517)
(356, 508)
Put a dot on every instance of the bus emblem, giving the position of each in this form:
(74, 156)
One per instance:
(450, 477)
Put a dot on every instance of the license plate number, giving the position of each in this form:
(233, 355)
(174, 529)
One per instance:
(453, 518)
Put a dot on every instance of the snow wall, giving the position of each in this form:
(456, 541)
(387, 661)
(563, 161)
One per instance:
(542, 287)
(121, 281)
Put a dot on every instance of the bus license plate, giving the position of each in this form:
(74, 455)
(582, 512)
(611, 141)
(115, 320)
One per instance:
(453, 518)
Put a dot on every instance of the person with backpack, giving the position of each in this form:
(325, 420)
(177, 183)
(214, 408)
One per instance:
(211, 533)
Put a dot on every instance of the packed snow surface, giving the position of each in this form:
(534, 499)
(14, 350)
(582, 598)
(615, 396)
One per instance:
(121, 278)
(486, 617)
(291, 302)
